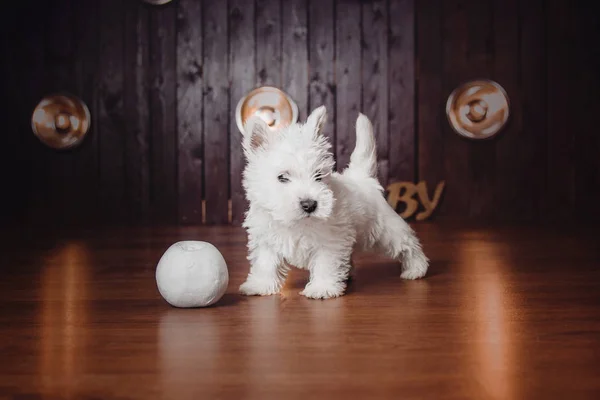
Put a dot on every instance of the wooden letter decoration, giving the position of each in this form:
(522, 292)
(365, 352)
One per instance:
(396, 195)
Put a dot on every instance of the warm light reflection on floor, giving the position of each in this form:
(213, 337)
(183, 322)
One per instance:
(265, 340)
(492, 352)
(189, 342)
(63, 317)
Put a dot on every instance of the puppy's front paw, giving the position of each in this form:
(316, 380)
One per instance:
(412, 274)
(323, 290)
(414, 268)
(259, 287)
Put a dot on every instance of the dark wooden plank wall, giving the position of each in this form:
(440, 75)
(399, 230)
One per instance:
(321, 53)
(216, 112)
(348, 78)
(509, 169)
(455, 70)
(163, 115)
(241, 76)
(586, 71)
(375, 95)
(189, 111)
(59, 50)
(573, 105)
(162, 83)
(401, 91)
(430, 94)
(26, 169)
(480, 57)
(294, 58)
(530, 144)
(111, 129)
(136, 103)
(86, 205)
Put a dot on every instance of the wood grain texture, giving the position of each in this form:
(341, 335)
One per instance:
(13, 207)
(561, 132)
(86, 164)
(59, 46)
(348, 79)
(268, 42)
(163, 116)
(136, 103)
(321, 53)
(482, 154)
(294, 57)
(216, 112)
(510, 164)
(81, 311)
(111, 114)
(542, 52)
(401, 91)
(532, 141)
(43, 180)
(30, 72)
(242, 77)
(430, 94)
(585, 86)
(60, 56)
(190, 83)
(456, 71)
(375, 95)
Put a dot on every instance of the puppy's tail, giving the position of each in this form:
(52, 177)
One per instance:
(364, 157)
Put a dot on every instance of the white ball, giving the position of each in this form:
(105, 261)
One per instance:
(192, 274)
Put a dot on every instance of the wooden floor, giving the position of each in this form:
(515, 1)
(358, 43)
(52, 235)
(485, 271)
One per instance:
(505, 313)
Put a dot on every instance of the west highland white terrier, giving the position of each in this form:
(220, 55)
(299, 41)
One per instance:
(304, 214)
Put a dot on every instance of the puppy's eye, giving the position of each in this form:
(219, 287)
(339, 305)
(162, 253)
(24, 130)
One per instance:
(319, 177)
(282, 179)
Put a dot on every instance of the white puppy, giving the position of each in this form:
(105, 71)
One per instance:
(304, 214)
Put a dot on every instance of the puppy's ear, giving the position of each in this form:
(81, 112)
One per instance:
(256, 134)
(316, 121)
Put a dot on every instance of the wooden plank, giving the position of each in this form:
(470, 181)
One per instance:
(531, 143)
(136, 108)
(189, 111)
(111, 117)
(495, 319)
(482, 154)
(8, 29)
(86, 177)
(58, 74)
(59, 42)
(401, 89)
(375, 78)
(455, 71)
(295, 53)
(430, 96)
(585, 85)
(321, 20)
(216, 112)
(31, 62)
(559, 196)
(268, 42)
(348, 76)
(242, 74)
(509, 165)
(163, 112)
(15, 180)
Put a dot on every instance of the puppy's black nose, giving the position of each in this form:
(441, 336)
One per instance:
(308, 205)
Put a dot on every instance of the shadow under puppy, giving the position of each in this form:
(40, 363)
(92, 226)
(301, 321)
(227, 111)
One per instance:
(304, 214)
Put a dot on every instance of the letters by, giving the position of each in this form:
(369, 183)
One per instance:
(396, 195)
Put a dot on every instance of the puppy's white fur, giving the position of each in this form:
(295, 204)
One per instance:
(294, 164)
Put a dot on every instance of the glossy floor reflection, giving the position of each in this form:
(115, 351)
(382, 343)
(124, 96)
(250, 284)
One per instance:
(505, 313)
